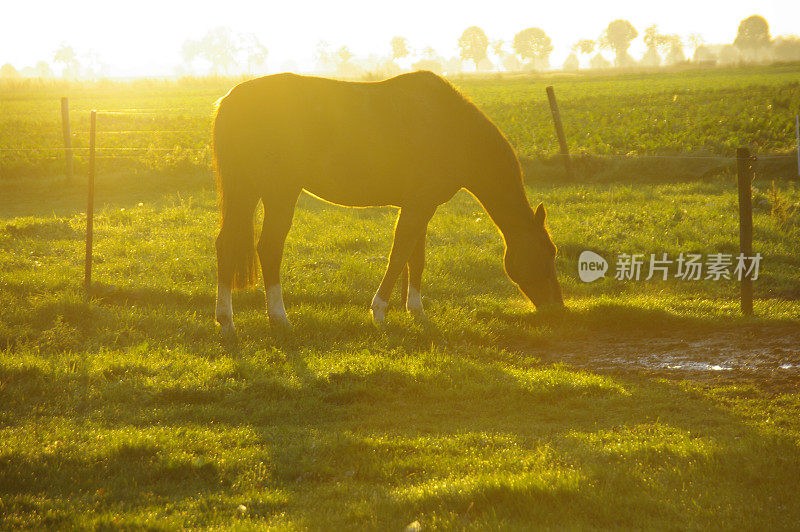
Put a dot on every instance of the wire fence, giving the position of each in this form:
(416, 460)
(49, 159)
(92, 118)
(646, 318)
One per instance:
(100, 148)
(578, 155)
(132, 110)
(126, 152)
(541, 155)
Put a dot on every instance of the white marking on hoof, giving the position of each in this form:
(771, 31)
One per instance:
(378, 310)
(275, 309)
(414, 302)
(224, 312)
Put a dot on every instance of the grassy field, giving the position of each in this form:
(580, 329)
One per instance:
(694, 112)
(126, 409)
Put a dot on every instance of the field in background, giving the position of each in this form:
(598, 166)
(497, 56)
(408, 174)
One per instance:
(127, 409)
(693, 112)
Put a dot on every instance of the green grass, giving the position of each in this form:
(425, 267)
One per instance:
(126, 408)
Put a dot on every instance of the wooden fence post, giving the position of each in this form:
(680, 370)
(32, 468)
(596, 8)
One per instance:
(744, 173)
(67, 137)
(797, 132)
(562, 141)
(87, 275)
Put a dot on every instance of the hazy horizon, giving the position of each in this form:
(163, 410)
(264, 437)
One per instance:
(147, 40)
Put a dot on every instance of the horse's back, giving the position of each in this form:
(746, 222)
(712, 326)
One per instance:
(350, 143)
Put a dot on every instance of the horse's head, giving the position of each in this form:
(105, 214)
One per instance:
(530, 262)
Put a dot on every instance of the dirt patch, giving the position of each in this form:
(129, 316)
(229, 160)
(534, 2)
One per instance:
(768, 356)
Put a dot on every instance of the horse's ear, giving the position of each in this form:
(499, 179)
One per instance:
(540, 214)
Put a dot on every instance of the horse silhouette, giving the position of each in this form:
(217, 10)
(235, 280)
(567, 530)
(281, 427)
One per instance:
(411, 141)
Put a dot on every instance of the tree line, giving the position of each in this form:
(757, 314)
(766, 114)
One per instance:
(530, 49)
(222, 51)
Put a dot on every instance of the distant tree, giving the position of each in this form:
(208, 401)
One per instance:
(571, 63)
(399, 48)
(377, 68)
(69, 59)
(8, 71)
(534, 47)
(65, 54)
(729, 55)
(485, 65)
(344, 63)
(651, 58)
(652, 38)
(453, 65)
(43, 70)
(695, 40)
(654, 41)
(473, 43)
(218, 47)
(704, 54)
(94, 68)
(583, 47)
(599, 62)
(429, 61)
(344, 55)
(676, 54)
(786, 48)
(226, 51)
(618, 37)
(324, 58)
(256, 52)
(507, 60)
(753, 37)
(431, 65)
(429, 52)
(497, 50)
(511, 63)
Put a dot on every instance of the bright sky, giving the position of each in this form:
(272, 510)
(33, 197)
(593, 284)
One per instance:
(145, 37)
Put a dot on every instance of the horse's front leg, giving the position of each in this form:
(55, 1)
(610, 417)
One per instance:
(410, 228)
(416, 263)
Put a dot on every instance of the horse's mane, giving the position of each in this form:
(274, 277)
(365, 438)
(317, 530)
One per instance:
(494, 139)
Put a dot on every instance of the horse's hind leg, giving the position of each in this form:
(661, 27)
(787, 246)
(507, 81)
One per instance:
(278, 213)
(235, 255)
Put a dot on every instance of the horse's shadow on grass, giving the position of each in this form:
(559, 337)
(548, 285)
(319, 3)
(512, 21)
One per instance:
(119, 317)
(106, 294)
(254, 324)
(420, 442)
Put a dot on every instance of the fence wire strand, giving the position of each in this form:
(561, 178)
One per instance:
(576, 156)
(154, 111)
(131, 131)
(132, 110)
(101, 148)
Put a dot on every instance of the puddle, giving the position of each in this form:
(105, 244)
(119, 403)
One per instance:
(698, 366)
(743, 351)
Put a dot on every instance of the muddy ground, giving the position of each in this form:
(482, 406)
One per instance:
(766, 356)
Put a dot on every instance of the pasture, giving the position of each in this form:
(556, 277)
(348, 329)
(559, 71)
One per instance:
(649, 404)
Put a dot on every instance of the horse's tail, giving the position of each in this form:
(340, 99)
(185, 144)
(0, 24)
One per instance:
(237, 260)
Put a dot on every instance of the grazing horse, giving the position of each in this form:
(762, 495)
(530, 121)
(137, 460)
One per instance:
(411, 142)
